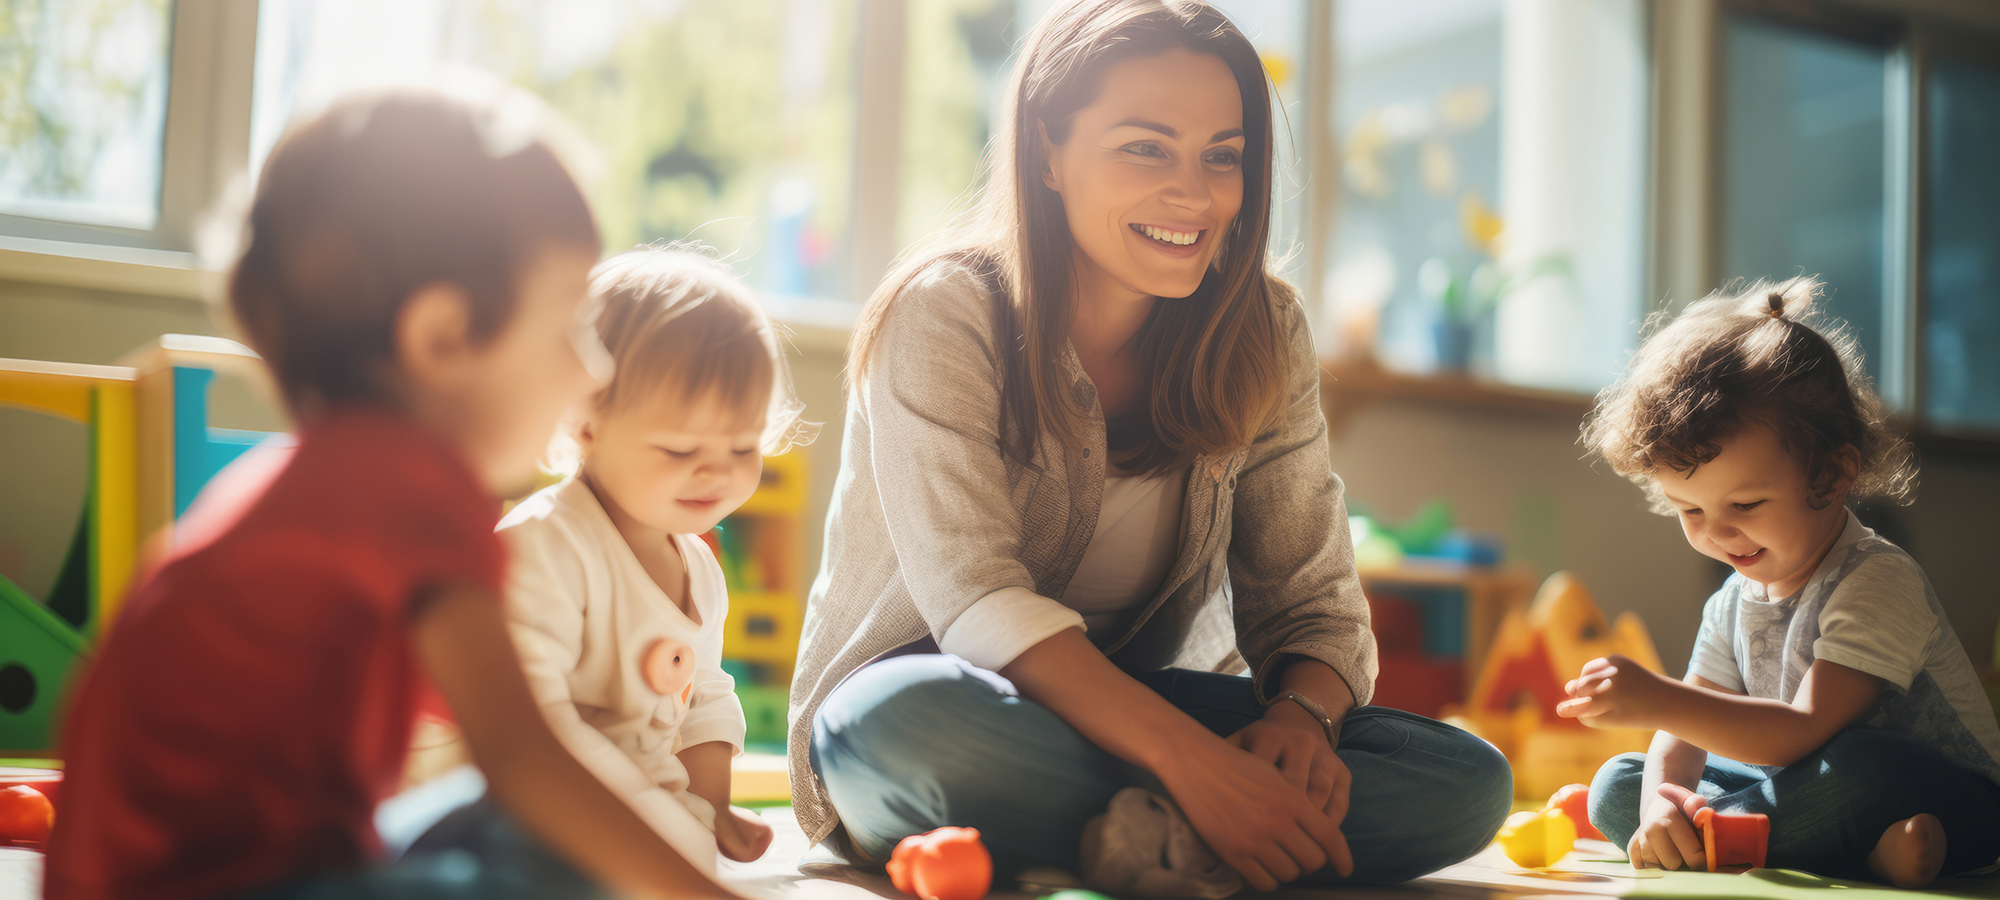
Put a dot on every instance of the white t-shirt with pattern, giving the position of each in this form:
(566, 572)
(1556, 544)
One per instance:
(1867, 607)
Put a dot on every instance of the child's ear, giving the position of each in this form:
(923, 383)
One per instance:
(434, 338)
(1847, 469)
(1837, 478)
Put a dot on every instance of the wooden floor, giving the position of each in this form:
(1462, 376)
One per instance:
(794, 871)
(778, 876)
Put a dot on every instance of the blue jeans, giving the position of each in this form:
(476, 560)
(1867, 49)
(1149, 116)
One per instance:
(918, 742)
(1828, 809)
(474, 853)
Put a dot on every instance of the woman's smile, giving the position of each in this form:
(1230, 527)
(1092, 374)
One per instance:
(1179, 244)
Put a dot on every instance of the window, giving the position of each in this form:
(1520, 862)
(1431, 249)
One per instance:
(1804, 136)
(727, 123)
(1961, 271)
(83, 105)
(1857, 147)
(1492, 185)
(959, 55)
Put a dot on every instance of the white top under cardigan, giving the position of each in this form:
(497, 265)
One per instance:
(584, 614)
(1127, 558)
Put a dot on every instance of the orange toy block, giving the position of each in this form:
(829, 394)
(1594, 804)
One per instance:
(1733, 840)
(1574, 801)
(945, 864)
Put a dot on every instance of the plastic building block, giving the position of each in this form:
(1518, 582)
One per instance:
(1574, 801)
(1733, 840)
(26, 816)
(945, 864)
(1537, 839)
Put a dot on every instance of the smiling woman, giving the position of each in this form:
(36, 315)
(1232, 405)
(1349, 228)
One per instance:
(1084, 488)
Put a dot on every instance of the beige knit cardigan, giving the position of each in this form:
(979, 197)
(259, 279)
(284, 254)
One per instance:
(929, 516)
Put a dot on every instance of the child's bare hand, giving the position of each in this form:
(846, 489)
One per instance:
(1615, 692)
(741, 835)
(1667, 837)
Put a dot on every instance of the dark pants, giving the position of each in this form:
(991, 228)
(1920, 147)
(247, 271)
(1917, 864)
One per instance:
(1828, 809)
(475, 853)
(919, 742)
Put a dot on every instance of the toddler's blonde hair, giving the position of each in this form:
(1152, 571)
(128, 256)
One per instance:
(678, 323)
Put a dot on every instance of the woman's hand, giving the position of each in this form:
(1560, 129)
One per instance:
(1666, 837)
(1616, 692)
(1289, 738)
(1267, 829)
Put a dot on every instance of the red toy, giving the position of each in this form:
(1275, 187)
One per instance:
(25, 816)
(945, 864)
(1574, 801)
(48, 781)
(1733, 840)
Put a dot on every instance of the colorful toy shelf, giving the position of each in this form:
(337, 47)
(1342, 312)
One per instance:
(759, 547)
(151, 451)
(1434, 623)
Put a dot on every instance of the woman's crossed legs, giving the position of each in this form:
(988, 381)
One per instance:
(918, 742)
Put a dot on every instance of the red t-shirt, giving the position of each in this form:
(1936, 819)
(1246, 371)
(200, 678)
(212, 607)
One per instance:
(254, 700)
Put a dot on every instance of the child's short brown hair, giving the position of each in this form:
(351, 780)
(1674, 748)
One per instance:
(679, 323)
(379, 196)
(1764, 355)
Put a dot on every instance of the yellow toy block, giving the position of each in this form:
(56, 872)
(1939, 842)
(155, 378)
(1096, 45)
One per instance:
(1537, 840)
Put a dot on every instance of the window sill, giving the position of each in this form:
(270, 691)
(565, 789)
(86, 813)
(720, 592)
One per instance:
(102, 267)
(1349, 386)
(814, 324)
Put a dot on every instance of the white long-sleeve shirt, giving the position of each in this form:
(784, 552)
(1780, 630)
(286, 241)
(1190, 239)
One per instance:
(585, 616)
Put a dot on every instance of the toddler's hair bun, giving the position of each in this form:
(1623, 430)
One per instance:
(1793, 300)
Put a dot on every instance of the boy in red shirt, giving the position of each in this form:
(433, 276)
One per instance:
(413, 277)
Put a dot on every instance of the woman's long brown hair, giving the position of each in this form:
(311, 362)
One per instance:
(1214, 362)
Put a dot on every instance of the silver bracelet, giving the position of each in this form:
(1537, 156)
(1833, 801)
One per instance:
(1318, 713)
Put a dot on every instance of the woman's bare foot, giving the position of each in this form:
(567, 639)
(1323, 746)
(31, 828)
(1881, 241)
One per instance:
(1910, 853)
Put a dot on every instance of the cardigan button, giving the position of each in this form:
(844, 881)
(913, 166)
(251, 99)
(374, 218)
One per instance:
(1215, 472)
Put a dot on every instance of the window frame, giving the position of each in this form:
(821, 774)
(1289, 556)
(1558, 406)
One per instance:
(204, 147)
(1916, 33)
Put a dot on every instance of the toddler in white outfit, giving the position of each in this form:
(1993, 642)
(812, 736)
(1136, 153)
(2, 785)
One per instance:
(616, 604)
